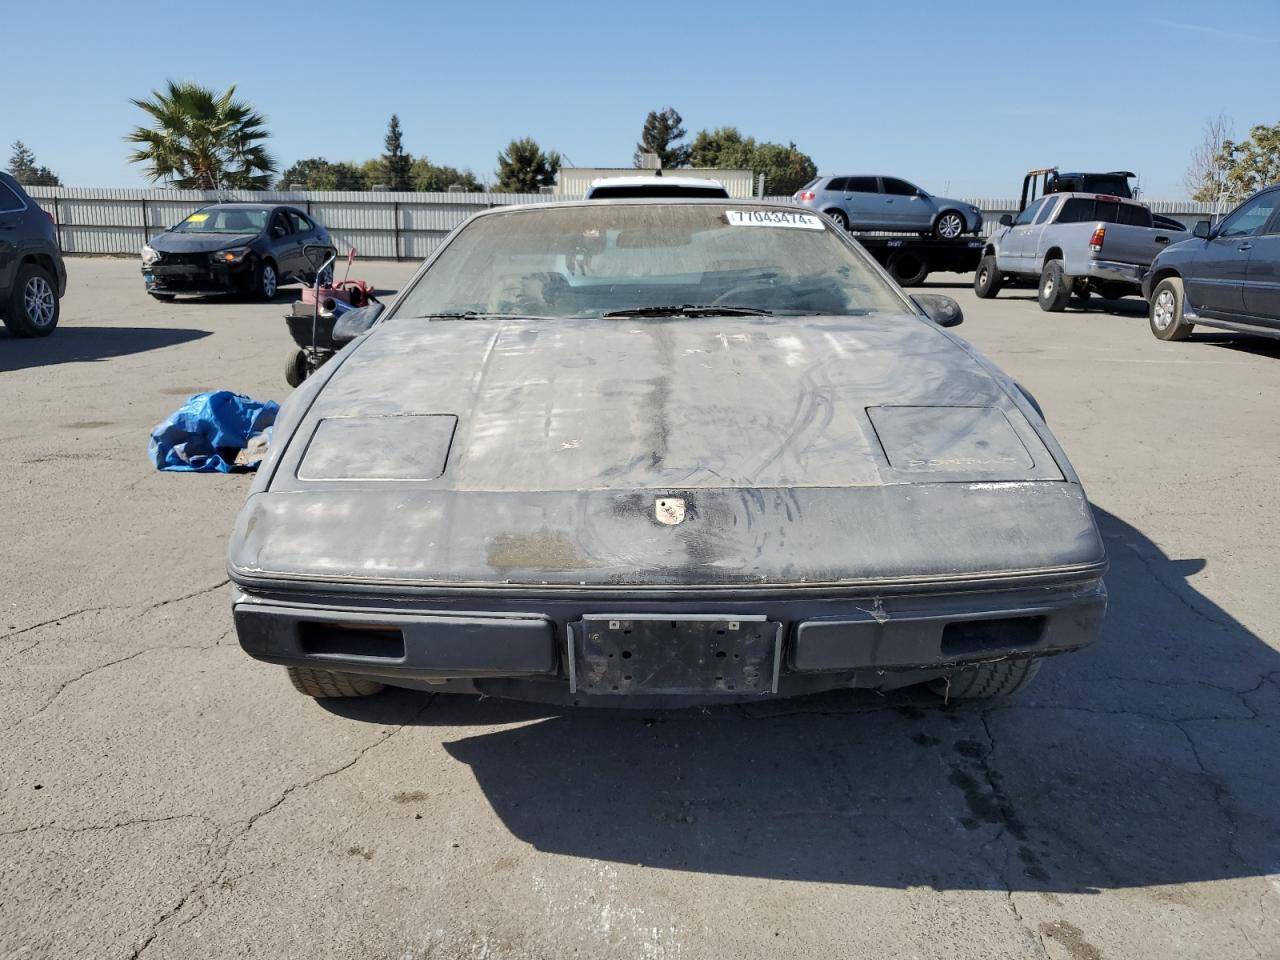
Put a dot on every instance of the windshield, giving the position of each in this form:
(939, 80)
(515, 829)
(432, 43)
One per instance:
(225, 220)
(590, 260)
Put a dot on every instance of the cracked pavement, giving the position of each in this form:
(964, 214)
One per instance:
(163, 796)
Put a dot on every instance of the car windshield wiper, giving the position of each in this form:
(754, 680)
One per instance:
(476, 315)
(690, 310)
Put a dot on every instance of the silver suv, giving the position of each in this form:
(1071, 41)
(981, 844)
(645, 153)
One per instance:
(887, 203)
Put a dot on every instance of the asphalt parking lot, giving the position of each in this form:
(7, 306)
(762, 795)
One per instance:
(162, 795)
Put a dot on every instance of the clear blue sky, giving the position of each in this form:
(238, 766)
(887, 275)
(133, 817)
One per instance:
(961, 97)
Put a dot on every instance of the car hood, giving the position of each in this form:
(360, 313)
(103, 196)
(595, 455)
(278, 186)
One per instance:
(659, 403)
(951, 202)
(199, 243)
(658, 454)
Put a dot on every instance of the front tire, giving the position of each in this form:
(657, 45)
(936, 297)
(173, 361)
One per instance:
(987, 680)
(325, 684)
(34, 307)
(949, 225)
(1165, 313)
(266, 282)
(987, 279)
(839, 217)
(1055, 288)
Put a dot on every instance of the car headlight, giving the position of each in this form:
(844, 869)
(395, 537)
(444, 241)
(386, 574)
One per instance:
(149, 255)
(231, 255)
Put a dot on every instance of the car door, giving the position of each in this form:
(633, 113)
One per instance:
(864, 204)
(1262, 277)
(905, 205)
(1009, 250)
(11, 210)
(284, 244)
(1216, 283)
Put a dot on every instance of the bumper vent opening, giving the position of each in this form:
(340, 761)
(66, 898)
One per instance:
(350, 640)
(967, 637)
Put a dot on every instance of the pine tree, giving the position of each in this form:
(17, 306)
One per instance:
(662, 128)
(396, 163)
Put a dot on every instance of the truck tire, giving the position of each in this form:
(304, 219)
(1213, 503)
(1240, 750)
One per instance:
(33, 307)
(1055, 288)
(987, 279)
(323, 684)
(1165, 312)
(909, 269)
(987, 680)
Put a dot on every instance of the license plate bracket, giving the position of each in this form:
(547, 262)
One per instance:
(727, 654)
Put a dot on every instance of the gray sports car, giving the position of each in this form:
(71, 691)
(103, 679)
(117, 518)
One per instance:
(650, 452)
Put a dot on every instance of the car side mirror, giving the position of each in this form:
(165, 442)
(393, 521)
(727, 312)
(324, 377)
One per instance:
(1201, 229)
(353, 323)
(1006, 219)
(942, 310)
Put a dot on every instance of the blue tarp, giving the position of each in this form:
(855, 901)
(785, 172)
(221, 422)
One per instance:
(205, 433)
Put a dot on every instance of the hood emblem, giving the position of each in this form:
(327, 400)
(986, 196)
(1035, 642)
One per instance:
(669, 510)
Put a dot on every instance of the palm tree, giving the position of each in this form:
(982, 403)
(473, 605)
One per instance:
(200, 140)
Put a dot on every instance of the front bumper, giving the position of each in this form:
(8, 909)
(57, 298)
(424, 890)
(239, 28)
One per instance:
(571, 649)
(196, 274)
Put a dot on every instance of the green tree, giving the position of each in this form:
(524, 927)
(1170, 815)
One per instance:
(395, 161)
(432, 178)
(524, 168)
(202, 140)
(662, 131)
(23, 167)
(1251, 164)
(723, 147)
(318, 173)
(374, 173)
(785, 168)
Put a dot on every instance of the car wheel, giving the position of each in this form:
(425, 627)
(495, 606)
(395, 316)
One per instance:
(162, 297)
(986, 680)
(295, 368)
(1165, 315)
(1055, 288)
(265, 280)
(908, 269)
(839, 217)
(33, 303)
(987, 279)
(323, 684)
(948, 226)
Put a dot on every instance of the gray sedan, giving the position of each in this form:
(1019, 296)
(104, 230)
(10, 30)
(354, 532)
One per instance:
(887, 203)
(654, 452)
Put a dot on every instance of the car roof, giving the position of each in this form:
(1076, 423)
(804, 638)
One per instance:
(511, 208)
(1094, 196)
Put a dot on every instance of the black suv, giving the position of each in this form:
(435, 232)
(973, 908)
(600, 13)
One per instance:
(32, 277)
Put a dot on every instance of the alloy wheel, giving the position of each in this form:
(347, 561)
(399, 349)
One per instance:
(39, 301)
(951, 226)
(1162, 313)
(268, 281)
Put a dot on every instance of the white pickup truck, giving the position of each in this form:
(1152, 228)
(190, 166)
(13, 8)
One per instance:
(1077, 243)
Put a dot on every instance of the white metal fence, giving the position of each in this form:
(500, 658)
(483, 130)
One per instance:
(398, 226)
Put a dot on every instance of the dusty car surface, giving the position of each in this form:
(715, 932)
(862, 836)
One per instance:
(650, 452)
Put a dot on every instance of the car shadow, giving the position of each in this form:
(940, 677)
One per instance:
(81, 344)
(1145, 760)
(1245, 343)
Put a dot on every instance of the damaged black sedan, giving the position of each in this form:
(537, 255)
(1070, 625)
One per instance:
(247, 248)
(653, 452)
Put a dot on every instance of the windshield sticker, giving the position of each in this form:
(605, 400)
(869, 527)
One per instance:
(773, 218)
(197, 218)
